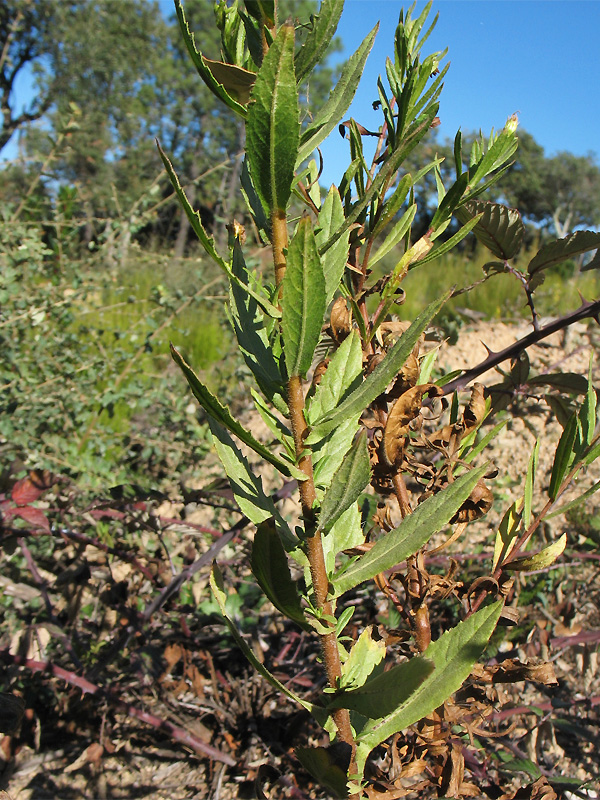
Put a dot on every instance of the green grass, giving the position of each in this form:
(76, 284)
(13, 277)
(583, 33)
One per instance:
(501, 296)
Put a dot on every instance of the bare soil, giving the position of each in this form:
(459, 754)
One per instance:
(184, 670)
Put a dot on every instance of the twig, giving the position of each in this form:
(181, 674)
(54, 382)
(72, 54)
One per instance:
(174, 731)
(585, 310)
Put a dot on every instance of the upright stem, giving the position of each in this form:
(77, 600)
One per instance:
(314, 543)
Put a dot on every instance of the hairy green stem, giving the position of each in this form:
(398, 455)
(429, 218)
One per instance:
(314, 543)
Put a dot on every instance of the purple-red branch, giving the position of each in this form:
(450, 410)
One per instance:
(174, 731)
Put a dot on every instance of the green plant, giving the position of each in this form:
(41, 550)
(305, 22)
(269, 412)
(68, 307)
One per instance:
(345, 387)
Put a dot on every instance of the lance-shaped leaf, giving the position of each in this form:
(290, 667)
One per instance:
(453, 656)
(331, 216)
(302, 301)
(540, 560)
(386, 692)
(365, 655)
(270, 567)
(348, 483)
(229, 83)
(340, 376)
(379, 379)
(507, 532)
(412, 533)
(574, 503)
(324, 765)
(330, 452)
(395, 235)
(273, 127)
(222, 415)
(529, 484)
(339, 100)
(318, 39)
(561, 250)
(207, 241)
(248, 322)
(416, 132)
(564, 456)
(218, 590)
(500, 228)
(344, 534)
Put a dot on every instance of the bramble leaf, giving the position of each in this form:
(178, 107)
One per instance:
(500, 228)
(560, 250)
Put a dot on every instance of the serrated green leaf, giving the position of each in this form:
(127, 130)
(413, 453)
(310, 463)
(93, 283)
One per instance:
(394, 203)
(385, 693)
(207, 241)
(255, 204)
(378, 380)
(218, 590)
(453, 656)
(302, 301)
(248, 322)
(507, 532)
(345, 533)
(262, 11)
(331, 216)
(500, 228)
(318, 39)
(214, 82)
(347, 484)
(324, 766)
(270, 567)
(544, 558)
(273, 127)
(246, 485)
(563, 458)
(339, 99)
(414, 531)
(340, 376)
(563, 249)
(365, 655)
(221, 414)
(329, 453)
(483, 442)
(449, 244)
(416, 132)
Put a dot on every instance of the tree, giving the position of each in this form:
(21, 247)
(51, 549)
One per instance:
(26, 28)
(560, 193)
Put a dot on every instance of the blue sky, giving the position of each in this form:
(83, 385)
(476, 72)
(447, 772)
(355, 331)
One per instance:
(535, 57)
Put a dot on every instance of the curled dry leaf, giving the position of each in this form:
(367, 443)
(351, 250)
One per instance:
(404, 410)
(474, 413)
(340, 320)
(320, 370)
(475, 506)
(513, 670)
